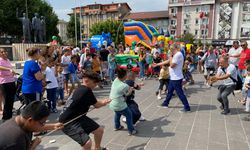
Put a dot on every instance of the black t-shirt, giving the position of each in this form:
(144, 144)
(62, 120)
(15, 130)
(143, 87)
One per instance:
(104, 54)
(81, 100)
(157, 60)
(131, 83)
(13, 137)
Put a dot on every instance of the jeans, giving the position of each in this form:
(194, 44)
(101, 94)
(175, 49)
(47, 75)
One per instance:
(142, 69)
(224, 91)
(192, 68)
(129, 120)
(51, 96)
(60, 93)
(248, 101)
(112, 74)
(177, 86)
(9, 90)
(30, 97)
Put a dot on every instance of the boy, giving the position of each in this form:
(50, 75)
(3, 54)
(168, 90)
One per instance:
(60, 89)
(73, 73)
(65, 60)
(134, 108)
(163, 79)
(79, 104)
(51, 86)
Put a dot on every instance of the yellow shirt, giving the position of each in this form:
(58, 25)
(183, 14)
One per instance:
(164, 73)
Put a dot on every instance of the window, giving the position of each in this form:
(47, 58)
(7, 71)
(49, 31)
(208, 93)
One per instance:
(185, 21)
(204, 32)
(197, 10)
(173, 1)
(173, 10)
(196, 21)
(185, 32)
(196, 32)
(172, 32)
(172, 22)
(205, 21)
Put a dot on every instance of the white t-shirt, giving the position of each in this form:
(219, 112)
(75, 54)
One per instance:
(176, 72)
(50, 76)
(233, 51)
(65, 61)
(229, 70)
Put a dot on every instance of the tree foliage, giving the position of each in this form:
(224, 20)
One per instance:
(71, 29)
(187, 38)
(10, 25)
(109, 26)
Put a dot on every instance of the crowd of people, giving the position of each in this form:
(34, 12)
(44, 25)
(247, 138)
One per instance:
(68, 76)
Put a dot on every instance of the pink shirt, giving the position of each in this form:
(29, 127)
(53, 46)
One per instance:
(6, 76)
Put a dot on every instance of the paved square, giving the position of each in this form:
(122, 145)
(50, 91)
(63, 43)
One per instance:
(167, 129)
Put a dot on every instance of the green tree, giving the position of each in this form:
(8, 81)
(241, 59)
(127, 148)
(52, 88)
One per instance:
(109, 26)
(71, 29)
(10, 25)
(187, 38)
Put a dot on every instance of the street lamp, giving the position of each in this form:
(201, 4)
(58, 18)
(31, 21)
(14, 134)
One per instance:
(75, 24)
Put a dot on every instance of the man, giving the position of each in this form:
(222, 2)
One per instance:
(79, 104)
(227, 73)
(155, 50)
(104, 60)
(83, 57)
(176, 61)
(210, 60)
(16, 133)
(234, 54)
(244, 55)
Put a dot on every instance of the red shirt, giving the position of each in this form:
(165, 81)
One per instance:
(244, 55)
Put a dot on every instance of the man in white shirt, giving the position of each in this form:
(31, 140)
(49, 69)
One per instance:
(175, 71)
(234, 54)
(227, 73)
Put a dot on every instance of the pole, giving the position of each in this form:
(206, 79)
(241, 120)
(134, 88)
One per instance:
(80, 26)
(120, 26)
(75, 25)
(26, 6)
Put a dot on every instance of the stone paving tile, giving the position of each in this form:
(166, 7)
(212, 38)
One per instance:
(202, 129)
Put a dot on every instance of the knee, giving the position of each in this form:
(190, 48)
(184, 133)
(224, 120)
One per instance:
(87, 145)
(99, 131)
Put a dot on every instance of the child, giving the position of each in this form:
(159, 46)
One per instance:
(163, 79)
(96, 65)
(156, 60)
(136, 114)
(111, 65)
(73, 76)
(51, 86)
(60, 89)
(87, 65)
(247, 86)
(187, 75)
(118, 104)
(243, 76)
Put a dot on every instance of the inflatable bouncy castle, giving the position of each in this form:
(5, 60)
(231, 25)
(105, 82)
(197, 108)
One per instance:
(98, 40)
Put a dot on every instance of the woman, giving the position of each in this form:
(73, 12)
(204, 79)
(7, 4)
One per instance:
(142, 62)
(7, 82)
(32, 76)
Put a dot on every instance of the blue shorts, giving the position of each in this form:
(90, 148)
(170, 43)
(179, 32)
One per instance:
(66, 77)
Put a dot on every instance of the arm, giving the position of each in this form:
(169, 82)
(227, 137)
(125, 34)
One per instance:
(52, 126)
(39, 75)
(34, 143)
(101, 103)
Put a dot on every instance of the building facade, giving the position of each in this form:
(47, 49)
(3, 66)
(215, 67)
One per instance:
(158, 19)
(222, 19)
(62, 28)
(94, 13)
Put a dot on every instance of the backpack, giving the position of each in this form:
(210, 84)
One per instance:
(238, 82)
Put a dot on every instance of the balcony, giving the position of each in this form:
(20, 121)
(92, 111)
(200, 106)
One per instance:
(176, 3)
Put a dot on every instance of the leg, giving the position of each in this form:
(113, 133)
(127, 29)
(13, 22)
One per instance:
(219, 98)
(180, 93)
(228, 90)
(87, 145)
(98, 133)
(169, 94)
(117, 120)
(9, 93)
(54, 98)
(50, 98)
(129, 120)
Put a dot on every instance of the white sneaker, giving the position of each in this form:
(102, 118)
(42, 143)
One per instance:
(159, 97)
(124, 119)
(142, 118)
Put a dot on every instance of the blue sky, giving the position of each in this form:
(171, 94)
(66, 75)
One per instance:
(63, 7)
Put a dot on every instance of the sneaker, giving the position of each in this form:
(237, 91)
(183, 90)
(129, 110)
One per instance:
(184, 111)
(124, 119)
(159, 97)
(221, 107)
(225, 112)
(163, 106)
(142, 119)
(132, 133)
(120, 128)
